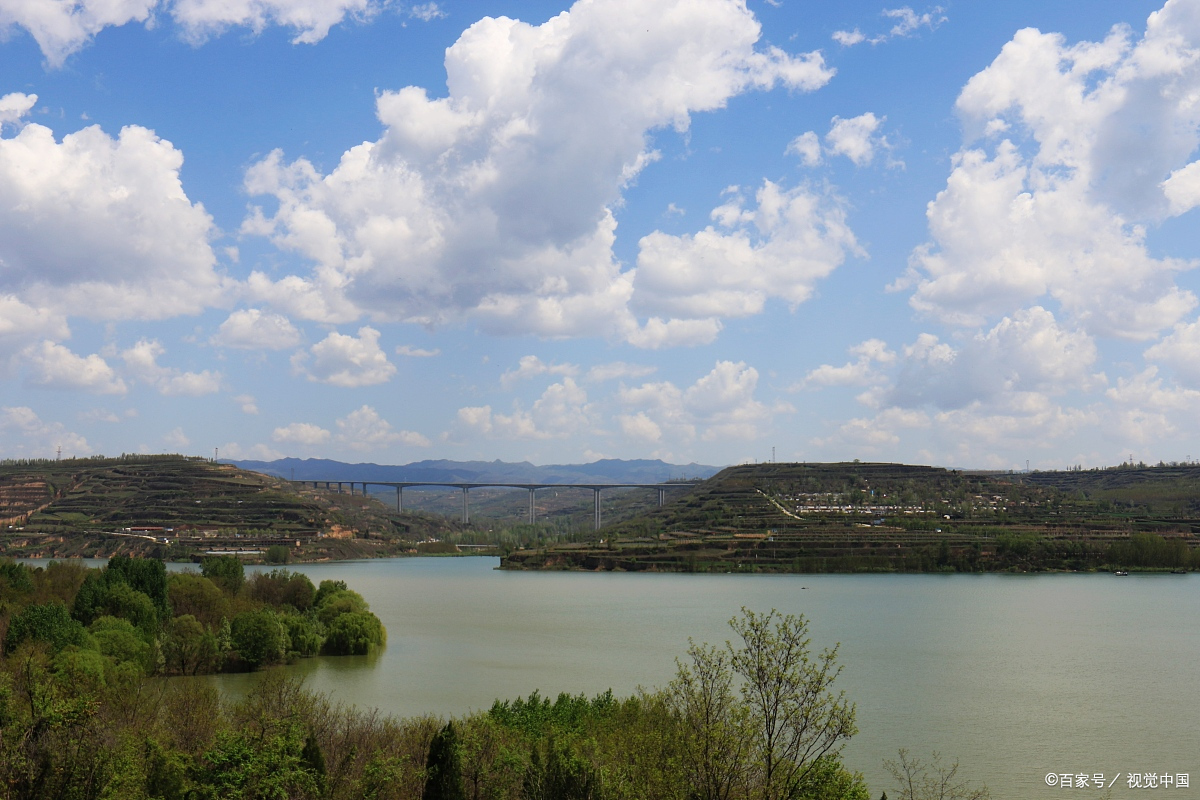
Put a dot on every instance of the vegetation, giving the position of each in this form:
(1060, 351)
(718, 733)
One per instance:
(758, 719)
(130, 616)
(889, 517)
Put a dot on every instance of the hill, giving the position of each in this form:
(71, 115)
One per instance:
(887, 517)
(175, 507)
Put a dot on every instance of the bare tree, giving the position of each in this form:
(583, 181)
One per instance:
(932, 780)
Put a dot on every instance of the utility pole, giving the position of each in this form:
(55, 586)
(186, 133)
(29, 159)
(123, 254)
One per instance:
(58, 454)
(215, 451)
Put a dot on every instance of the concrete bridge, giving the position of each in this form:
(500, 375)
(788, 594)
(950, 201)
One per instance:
(400, 486)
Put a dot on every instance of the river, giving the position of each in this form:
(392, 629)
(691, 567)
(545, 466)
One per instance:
(1016, 676)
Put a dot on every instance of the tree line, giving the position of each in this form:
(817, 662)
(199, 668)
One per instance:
(81, 716)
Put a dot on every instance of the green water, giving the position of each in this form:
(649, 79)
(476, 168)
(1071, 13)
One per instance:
(1015, 676)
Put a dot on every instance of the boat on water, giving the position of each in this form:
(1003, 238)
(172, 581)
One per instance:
(1120, 572)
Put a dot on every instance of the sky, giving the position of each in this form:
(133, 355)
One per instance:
(717, 231)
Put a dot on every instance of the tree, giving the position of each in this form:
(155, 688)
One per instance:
(259, 637)
(919, 780)
(717, 727)
(50, 623)
(225, 571)
(797, 717)
(353, 634)
(443, 768)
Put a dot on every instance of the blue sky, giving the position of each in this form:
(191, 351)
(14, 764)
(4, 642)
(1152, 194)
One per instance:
(694, 230)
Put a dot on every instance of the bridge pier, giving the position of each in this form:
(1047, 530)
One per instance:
(399, 499)
(466, 507)
(532, 512)
(596, 492)
(662, 497)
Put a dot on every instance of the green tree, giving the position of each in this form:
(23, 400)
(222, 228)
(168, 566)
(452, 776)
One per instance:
(49, 622)
(352, 634)
(198, 596)
(718, 734)
(225, 571)
(443, 768)
(259, 637)
(788, 689)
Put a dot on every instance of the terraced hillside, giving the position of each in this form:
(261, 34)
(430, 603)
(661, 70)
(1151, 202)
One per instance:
(173, 506)
(876, 517)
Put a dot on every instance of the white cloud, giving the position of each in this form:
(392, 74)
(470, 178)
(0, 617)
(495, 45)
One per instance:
(855, 138)
(14, 106)
(618, 369)
(252, 329)
(303, 433)
(849, 38)
(141, 362)
(1058, 209)
(808, 147)
(720, 405)
(855, 373)
(562, 410)
(417, 352)
(24, 434)
(1181, 352)
(778, 249)
(1182, 189)
(247, 403)
(532, 366)
(426, 12)
(493, 203)
(1146, 411)
(53, 366)
(343, 360)
(61, 28)
(1028, 352)
(907, 22)
(310, 19)
(176, 438)
(138, 247)
(364, 429)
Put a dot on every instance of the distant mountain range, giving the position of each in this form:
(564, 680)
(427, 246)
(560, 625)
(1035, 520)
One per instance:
(610, 470)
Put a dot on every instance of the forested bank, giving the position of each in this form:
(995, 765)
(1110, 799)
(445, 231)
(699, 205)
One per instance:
(132, 616)
(761, 718)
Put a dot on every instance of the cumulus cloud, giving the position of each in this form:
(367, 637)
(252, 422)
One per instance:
(54, 366)
(138, 249)
(1054, 204)
(310, 19)
(1028, 352)
(343, 360)
(562, 410)
(426, 12)
(778, 248)
(720, 405)
(252, 329)
(364, 429)
(176, 438)
(531, 367)
(849, 38)
(141, 363)
(1146, 410)
(1181, 352)
(247, 403)
(855, 138)
(808, 147)
(860, 372)
(494, 202)
(24, 434)
(618, 369)
(302, 433)
(14, 106)
(61, 28)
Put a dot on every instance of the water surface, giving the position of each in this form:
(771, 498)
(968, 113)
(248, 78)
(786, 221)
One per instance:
(1016, 676)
